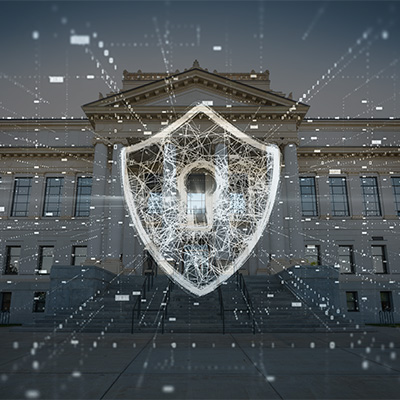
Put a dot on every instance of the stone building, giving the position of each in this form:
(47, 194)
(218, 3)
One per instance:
(336, 219)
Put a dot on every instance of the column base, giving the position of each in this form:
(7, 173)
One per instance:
(113, 265)
(92, 261)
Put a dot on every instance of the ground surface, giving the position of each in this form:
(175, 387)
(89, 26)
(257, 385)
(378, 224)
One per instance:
(358, 365)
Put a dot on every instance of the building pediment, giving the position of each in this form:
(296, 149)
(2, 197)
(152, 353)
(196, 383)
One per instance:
(178, 85)
(231, 98)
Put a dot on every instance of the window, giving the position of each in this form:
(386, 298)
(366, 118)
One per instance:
(83, 194)
(372, 205)
(46, 255)
(379, 263)
(155, 199)
(5, 301)
(339, 200)
(52, 198)
(312, 254)
(386, 301)
(79, 255)
(238, 188)
(12, 260)
(39, 302)
(352, 301)
(345, 257)
(308, 197)
(396, 189)
(22, 188)
(196, 194)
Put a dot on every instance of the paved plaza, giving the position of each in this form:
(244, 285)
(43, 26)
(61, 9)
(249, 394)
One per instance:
(352, 365)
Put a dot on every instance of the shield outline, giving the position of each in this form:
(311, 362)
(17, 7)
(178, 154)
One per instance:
(270, 149)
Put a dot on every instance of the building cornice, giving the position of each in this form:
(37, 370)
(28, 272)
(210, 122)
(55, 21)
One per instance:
(348, 151)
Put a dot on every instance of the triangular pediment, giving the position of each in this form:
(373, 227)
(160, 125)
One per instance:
(192, 86)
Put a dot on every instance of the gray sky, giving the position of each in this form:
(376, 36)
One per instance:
(341, 57)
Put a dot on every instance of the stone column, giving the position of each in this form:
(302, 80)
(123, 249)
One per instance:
(97, 214)
(115, 216)
(221, 217)
(68, 205)
(278, 239)
(387, 197)
(296, 238)
(323, 196)
(36, 196)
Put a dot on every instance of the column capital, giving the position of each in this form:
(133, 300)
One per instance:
(283, 142)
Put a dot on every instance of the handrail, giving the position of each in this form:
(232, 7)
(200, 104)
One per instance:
(164, 303)
(138, 302)
(245, 293)
(302, 299)
(221, 308)
(386, 317)
(5, 317)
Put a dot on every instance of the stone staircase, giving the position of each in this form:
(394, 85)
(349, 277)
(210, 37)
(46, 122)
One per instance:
(168, 308)
(277, 309)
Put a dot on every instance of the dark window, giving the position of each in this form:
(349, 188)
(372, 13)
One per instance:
(372, 205)
(339, 198)
(79, 255)
(346, 261)
(39, 301)
(46, 255)
(83, 195)
(5, 301)
(379, 262)
(396, 189)
(312, 254)
(52, 198)
(352, 301)
(196, 194)
(386, 301)
(22, 188)
(308, 197)
(12, 260)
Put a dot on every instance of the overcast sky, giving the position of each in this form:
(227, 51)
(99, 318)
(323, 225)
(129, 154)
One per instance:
(340, 57)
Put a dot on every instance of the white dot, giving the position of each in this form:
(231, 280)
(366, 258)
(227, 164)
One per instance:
(168, 389)
(385, 35)
(35, 35)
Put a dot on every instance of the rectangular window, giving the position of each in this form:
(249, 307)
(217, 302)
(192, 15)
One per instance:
(12, 260)
(79, 255)
(339, 198)
(155, 199)
(52, 199)
(39, 301)
(83, 196)
(379, 263)
(308, 197)
(312, 254)
(372, 205)
(396, 189)
(386, 301)
(345, 257)
(46, 256)
(5, 301)
(352, 301)
(20, 204)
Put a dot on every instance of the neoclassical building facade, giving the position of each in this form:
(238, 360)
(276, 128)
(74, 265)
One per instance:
(337, 207)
